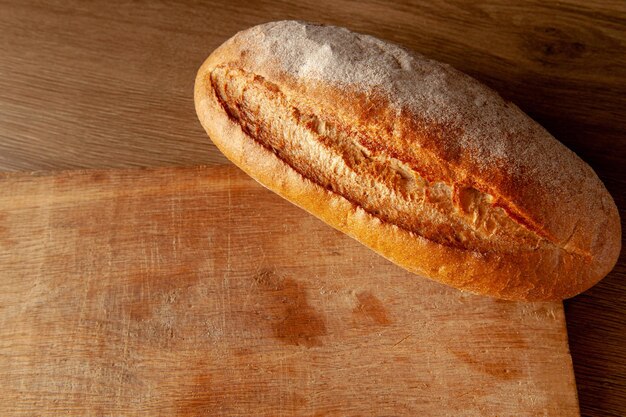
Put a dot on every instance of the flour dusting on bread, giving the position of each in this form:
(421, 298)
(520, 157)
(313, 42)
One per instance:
(430, 89)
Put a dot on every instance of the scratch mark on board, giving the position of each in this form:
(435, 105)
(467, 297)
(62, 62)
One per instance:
(402, 340)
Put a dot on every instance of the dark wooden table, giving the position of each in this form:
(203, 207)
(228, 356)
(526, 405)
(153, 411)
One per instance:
(109, 84)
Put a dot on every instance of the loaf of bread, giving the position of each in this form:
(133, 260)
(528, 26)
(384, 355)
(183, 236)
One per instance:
(416, 160)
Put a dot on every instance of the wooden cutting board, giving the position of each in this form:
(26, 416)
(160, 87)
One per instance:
(194, 291)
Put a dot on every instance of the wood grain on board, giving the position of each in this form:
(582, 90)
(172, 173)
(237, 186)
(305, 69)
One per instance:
(109, 84)
(195, 291)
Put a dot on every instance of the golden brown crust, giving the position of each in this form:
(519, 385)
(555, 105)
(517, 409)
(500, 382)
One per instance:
(556, 230)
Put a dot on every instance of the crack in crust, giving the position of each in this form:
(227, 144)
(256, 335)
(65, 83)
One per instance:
(344, 160)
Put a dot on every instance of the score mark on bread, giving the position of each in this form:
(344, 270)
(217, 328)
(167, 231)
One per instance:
(386, 187)
(419, 162)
